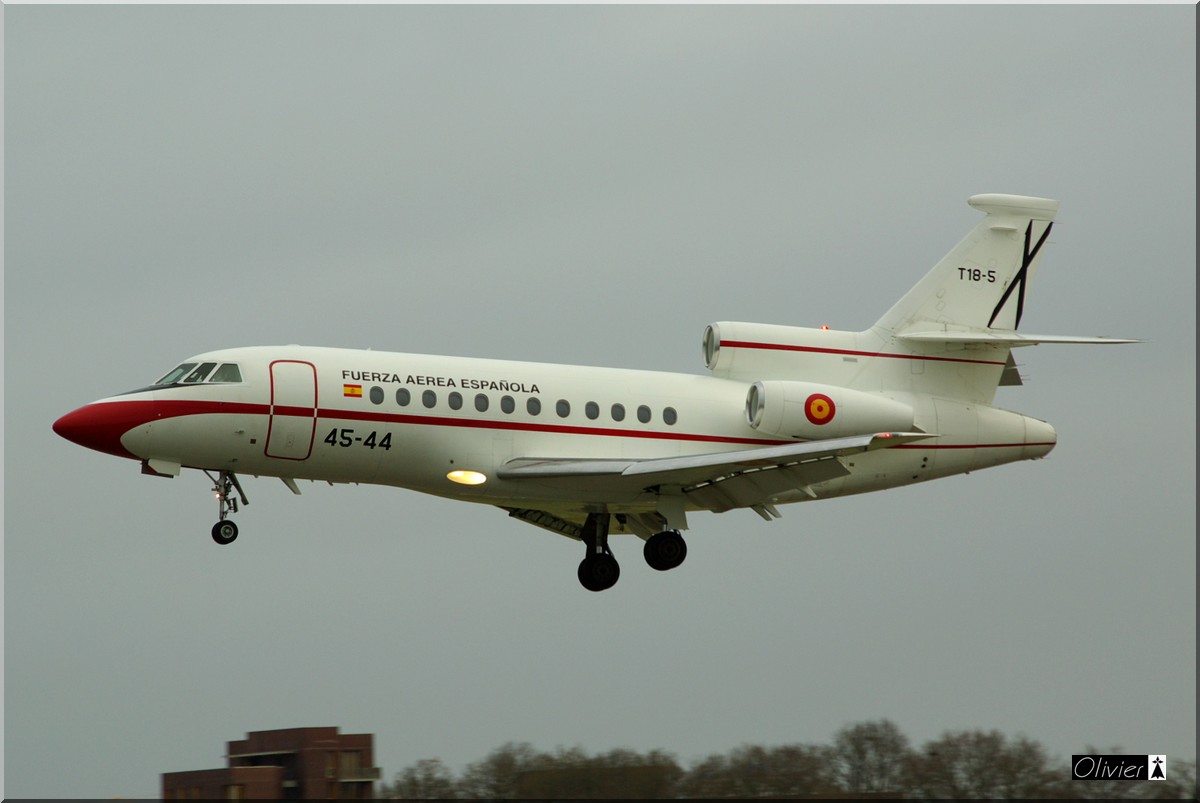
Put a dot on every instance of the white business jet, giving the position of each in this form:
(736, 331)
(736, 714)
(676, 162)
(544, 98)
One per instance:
(788, 414)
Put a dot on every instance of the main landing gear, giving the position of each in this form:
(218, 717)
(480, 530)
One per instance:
(224, 484)
(665, 550)
(599, 570)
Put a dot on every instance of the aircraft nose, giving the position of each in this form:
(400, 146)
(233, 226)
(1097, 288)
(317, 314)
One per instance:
(101, 425)
(1040, 438)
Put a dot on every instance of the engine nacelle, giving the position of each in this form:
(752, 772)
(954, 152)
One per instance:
(811, 411)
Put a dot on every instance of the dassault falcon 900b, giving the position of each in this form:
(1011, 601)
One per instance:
(788, 414)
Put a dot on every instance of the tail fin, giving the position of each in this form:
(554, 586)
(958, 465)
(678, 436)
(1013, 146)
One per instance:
(981, 284)
(951, 335)
(959, 322)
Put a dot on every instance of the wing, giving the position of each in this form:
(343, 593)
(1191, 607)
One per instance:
(716, 481)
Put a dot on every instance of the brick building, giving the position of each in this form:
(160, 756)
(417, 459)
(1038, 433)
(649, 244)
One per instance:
(291, 764)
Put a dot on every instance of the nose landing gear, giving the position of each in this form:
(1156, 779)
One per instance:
(224, 484)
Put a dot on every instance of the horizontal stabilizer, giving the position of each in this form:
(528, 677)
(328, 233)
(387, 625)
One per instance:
(1005, 338)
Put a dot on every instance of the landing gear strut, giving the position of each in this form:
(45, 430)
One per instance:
(664, 551)
(599, 569)
(224, 484)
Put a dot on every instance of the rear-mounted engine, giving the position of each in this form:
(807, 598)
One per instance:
(811, 411)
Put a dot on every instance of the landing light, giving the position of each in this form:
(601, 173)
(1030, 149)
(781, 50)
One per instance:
(466, 477)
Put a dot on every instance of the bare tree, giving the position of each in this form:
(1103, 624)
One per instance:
(978, 765)
(710, 778)
(621, 774)
(754, 771)
(428, 779)
(495, 777)
(870, 757)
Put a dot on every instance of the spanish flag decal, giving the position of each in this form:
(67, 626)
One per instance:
(352, 391)
(819, 409)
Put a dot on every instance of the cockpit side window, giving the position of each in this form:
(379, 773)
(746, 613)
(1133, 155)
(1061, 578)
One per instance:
(228, 372)
(200, 373)
(177, 374)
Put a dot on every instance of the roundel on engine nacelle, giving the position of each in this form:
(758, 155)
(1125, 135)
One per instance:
(812, 411)
(819, 409)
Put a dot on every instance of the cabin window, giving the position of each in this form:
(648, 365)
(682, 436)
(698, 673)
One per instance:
(669, 416)
(644, 414)
(200, 372)
(376, 395)
(228, 372)
(455, 400)
(403, 397)
(563, 408)
(591, 410)
(507, 404)
(481, 402)
(534, 405)
(174, 376)
(618, 412)
(429, 399)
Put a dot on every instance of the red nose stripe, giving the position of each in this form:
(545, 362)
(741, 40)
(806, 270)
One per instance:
(100, 426)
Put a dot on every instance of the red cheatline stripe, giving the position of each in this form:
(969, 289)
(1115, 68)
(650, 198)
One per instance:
(139, 412)
(172, 409)
(522, 426)
(746, 344)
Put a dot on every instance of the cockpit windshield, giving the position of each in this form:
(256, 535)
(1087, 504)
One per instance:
(202, 371)
(228, 372)
(190, 373)
(177, 374)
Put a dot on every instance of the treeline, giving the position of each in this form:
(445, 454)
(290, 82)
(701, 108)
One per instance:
(867, 760)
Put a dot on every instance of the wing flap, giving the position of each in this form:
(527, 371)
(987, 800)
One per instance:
(716, 481)
(547, 521)
(756, 487)
(707, 467)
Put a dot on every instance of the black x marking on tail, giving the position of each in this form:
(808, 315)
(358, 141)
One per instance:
(1019, 279)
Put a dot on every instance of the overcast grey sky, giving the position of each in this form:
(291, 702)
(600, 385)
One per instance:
(588, 185)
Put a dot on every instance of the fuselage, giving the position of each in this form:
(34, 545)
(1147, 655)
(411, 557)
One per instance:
(447, 425)
(786, 414)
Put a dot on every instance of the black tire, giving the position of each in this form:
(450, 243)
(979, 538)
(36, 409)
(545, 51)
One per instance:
(599, 572)
(665, 551)
(225, 532)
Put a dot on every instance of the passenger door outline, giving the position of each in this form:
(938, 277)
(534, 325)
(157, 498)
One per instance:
(292, 424)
